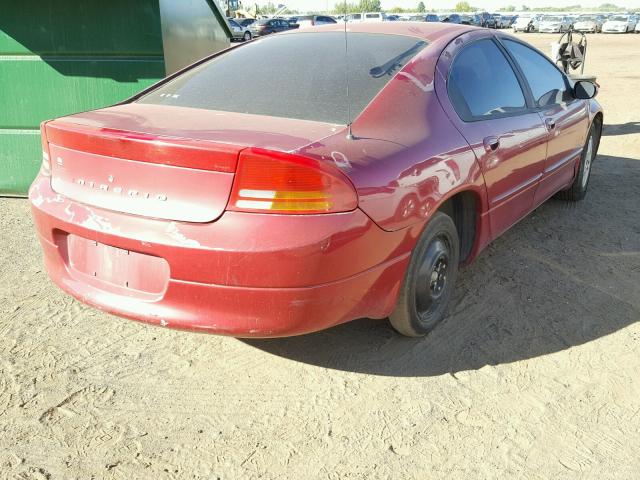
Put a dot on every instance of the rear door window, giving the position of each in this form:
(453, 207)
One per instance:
(301, 75)
(482, 83)
(547, 84)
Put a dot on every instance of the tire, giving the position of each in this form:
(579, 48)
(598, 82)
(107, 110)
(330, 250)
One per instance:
(429, 280)
(578, 188)
(247, 36)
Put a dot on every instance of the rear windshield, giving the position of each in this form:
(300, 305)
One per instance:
(299, 76)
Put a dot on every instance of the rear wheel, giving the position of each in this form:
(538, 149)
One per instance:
(429, 280)
(247, 36)
(578, 188)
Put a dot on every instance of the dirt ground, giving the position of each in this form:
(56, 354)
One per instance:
(535, 374)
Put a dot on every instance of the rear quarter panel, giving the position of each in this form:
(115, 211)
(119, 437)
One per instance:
(407, 158)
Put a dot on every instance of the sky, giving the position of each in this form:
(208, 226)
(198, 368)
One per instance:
(318, 5)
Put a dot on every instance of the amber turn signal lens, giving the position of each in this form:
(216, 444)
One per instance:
(277, 182)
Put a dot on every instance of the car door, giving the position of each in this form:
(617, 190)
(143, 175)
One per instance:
(486, 102)
(566, 118)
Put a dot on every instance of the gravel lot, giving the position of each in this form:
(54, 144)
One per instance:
(534, 375)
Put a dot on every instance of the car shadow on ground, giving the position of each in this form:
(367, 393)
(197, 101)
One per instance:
(564, 276)
(621, 129)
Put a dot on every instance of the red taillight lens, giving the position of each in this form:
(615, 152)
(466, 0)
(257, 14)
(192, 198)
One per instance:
(276, 182)
(45, 167)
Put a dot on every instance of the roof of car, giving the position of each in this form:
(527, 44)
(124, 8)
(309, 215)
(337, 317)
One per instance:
(423, 30)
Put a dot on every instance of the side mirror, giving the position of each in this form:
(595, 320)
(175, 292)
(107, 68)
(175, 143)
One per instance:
(584, 90)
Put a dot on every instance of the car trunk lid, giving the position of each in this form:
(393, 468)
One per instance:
(164, 162)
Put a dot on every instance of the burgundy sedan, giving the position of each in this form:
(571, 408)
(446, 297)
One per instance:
(322, 185)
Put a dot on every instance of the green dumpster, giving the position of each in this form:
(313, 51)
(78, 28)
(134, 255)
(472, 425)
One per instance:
(59, 57)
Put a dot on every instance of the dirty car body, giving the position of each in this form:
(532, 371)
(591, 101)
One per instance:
(183, 209)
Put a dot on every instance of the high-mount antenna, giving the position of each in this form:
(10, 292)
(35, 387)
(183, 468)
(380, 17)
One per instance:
(346, 74)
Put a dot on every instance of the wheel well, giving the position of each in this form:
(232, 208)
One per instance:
(463, 210)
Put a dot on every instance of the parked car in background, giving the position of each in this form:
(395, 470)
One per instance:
(306, 21)
(637, 29)
(451, 18)
(374, 17)
(526, 23)
(466, 19)
(554, 24)
(245, 22)
(589, 23)
(487, 20)
(502, 21)
(238, 31)
(620, 24)
(429, 17)
(174, 206)
(266, 26)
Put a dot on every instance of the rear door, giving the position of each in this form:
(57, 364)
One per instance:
(486, 101)
(566, 119)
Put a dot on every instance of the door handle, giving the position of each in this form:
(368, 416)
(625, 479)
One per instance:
(491, 144)
(550, 123)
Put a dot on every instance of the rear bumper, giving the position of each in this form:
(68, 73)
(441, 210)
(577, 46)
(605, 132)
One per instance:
(246, 275)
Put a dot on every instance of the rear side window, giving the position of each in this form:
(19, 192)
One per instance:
(482, 83)
(547, 83)
(300, 75)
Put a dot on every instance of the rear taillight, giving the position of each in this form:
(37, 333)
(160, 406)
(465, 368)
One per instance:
(45, 167)
(276, 182)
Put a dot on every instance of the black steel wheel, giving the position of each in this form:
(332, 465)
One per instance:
(429, 280)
